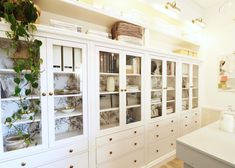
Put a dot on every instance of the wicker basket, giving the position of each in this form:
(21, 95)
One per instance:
(126, 29)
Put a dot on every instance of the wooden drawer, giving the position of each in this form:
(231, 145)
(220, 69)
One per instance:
(163, 132)
(156, 150)
(131, 160)
(118, 149)
(78, 161)
(109, 139)
(45, 157)
(163, 123)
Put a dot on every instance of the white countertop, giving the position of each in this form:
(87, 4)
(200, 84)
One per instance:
(213, 142)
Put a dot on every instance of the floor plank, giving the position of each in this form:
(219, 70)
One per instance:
(176, 163)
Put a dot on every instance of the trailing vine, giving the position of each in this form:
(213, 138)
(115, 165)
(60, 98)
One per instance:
(21, 14)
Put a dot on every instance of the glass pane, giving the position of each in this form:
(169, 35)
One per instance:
(195, 86)
(109, 89)
(185, 86)
(156, 88)
(171, 85)
(133, 89)
(20, 114)
(68, 106)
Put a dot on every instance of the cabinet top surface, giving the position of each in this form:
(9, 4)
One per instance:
(213, 142)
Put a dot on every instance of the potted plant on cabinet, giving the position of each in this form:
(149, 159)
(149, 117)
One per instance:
(25, 50)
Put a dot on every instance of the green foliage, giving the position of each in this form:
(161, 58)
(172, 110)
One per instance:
(21, 14)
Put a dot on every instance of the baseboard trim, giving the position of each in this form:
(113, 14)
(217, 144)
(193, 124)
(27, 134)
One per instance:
(162, 160)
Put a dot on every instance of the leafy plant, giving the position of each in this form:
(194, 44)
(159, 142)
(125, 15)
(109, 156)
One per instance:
(21, 14)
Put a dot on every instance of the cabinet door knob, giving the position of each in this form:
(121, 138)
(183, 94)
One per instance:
(135, 143)
(122, 90)
(157, 125)
(157, 150)
(71, 151)
(71, 166)
(135, 161)
(186, 116)
(110, 139)
(186, 125)
(110, 152)
(195, 121)
(172, 121)
(135, 132)
(157, 136)
(172, 130)
(125, 90)
(44, 94)
(172, 144)
(23, 164)
(50, 93)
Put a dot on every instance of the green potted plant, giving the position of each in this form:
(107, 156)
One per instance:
(21, 16)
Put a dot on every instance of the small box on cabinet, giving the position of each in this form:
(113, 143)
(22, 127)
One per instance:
(67, 59)
(57, 58)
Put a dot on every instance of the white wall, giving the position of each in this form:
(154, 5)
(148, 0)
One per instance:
(219, 40)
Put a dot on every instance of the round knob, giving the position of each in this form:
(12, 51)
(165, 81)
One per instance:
(195, 113)
(44, 94)
(135, 143)
(195, 121)
(172, 121)
(172, 144)
(71, 151)
(110, 139)
(172, 130)
(157, 125)
(186, 125)
(23, 164)
(186, 116)
(157, 136)
(157, 150)
(135, 161)
(110, 152)
(50, 93)
(71, 166)
(135, 132)
(125, 90)
(122, 90)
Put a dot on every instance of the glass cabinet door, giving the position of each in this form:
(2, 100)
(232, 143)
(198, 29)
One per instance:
(109, 89)
(156, 88)
(133, 89)
(66, 91)
(22, 106)
(171, 87)
(195, 86)
(185, 86)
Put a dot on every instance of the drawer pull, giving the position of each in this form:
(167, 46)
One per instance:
(71, 151)
(71, 166)
(135, 143)
(135, 161)
(195, 113)
(172, 121)
(23, 164)
(157, 125)
(172, 130)
(186, 116)
(196, 122)
(186, 125)
(157, 150)
(110, 139)
(157, 136)
(110, 152)
(135, 132)
(172, 144)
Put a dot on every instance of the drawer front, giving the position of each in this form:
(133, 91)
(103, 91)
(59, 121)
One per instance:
(109, 139)
(79, 161)
(44, 158)
(163, 132)
(161, 124)
(119, 148)
(131, 160)
(156, 150)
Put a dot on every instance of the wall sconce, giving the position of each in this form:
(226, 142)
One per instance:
(172, 5)
(199, 21)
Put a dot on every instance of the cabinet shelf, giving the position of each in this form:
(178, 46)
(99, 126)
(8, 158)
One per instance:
(195, 97)
(68, 134)
(26, 121)
(133, 74)
(170, 76)
(156, 102)
(156, 76)
(106, 126)
(133, 106)
(170, 101)
(171, 89)
(59, 115)
(69, 95)
(106, 93)
(133, 91)
(17, 98)
(11, 71)
(109, 74)
(62, 72)
(110, 109)
(185, 88)
(156, 90)
(185, 98)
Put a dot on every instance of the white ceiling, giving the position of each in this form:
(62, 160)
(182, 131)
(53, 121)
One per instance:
(208, 3)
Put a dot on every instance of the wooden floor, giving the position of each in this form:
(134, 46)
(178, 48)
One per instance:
(174, 164)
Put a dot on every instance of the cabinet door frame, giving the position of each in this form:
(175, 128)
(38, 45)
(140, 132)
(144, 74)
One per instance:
(44, 119)
(83, 47)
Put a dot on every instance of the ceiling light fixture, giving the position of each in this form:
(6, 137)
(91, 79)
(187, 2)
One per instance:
(172, 5)
(200, 22)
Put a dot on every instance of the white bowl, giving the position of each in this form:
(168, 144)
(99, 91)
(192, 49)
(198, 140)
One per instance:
(67, 110)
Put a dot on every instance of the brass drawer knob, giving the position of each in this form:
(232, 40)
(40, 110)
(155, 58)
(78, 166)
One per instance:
(172, 121)
(23, 164)
(125, 90)
(196, 122)
(157, 125)
(110, 152)
(172, 130)
(110, 139)
(186, 125)
(157, 136)
(71, 166)
(157, 150)
(122, 90)
(71, 151)
(186, 116)
(135, 161)
(44, 94)
(135, 132)
(135, 143)
(172, 144)
(50, 93)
